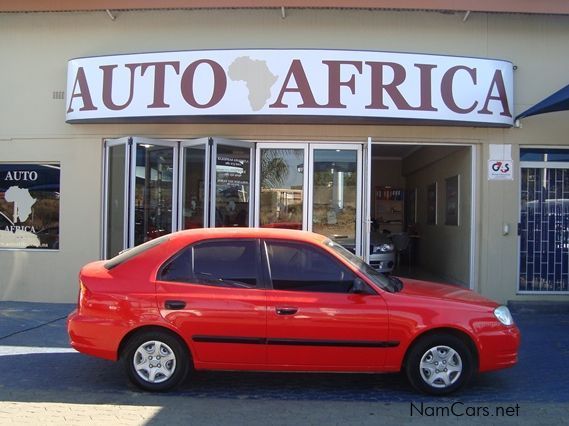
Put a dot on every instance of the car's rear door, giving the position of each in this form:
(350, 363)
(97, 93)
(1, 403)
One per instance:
(314, 321)
(212, 293)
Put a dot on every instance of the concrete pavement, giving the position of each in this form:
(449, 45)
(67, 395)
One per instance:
(45, 381)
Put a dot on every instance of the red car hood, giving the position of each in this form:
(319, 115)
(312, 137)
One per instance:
(444, 291)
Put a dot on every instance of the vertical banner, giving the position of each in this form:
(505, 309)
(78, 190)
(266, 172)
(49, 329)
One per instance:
(29, 206)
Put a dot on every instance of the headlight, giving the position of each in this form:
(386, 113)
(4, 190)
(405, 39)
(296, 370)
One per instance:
(502, 313)
(383, 248)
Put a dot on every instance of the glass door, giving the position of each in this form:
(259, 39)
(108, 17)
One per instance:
(115, 218)
(335, 197)
(281, 186)
(232, 173)
(194, 193)
(153, 189)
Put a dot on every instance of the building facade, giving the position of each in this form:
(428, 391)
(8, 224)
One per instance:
(121, 125)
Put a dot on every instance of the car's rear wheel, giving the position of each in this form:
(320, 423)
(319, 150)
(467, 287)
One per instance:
(439, 364)
(156, 360)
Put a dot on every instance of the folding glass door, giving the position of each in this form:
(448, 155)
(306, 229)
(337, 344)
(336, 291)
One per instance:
(141, 191)
(153, 187)
(217, 177)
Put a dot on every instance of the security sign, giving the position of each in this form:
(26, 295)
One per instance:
(500, 170)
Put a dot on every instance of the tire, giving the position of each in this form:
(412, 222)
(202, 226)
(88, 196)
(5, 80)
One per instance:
(439, 364)
(156, 361)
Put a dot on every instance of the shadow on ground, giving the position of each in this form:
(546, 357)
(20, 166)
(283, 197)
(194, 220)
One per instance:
(63, 376)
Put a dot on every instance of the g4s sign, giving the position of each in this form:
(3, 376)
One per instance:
(500, 170)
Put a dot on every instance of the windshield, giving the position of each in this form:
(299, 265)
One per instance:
(386, 282)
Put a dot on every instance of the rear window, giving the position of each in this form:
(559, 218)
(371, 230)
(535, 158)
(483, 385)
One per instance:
(135, 251)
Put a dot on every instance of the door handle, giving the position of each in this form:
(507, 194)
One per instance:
(286, 311)
(174, 304)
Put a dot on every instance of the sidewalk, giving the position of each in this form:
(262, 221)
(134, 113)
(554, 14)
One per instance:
(45, 381)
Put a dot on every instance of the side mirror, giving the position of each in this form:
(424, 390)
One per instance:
(359, 287)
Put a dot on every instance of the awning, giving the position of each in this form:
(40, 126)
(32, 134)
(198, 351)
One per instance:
(559, 101)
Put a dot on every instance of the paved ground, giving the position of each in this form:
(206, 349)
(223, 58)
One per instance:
(42, 380)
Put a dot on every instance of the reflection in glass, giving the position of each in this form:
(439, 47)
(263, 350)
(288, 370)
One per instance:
(335, 194)
(115, 200)
(232, 186)
(193, 192)
(153, 192)
(281, 188)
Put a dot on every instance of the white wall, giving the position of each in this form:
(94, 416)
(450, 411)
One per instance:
(442, 249)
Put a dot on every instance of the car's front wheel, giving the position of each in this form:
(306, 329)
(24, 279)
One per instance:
(156, 360)
(439, 364)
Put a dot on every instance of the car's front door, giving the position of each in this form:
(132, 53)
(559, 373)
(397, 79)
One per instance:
(314, 319)
(212, 294)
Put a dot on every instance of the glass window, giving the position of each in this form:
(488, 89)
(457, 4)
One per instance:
(301, 267)
(219, 263)
(544, 154)
(29, 206)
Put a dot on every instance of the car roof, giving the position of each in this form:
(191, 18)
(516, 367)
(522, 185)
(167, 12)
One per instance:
(275, 233)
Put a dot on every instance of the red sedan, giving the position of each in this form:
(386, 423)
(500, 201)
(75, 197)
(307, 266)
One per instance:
(280, 300)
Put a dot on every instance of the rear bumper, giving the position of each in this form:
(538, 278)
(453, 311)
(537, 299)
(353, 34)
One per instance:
(499, 349)
(98, 338)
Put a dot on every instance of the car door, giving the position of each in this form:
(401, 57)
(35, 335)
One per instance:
(314, 321)
(211, 293)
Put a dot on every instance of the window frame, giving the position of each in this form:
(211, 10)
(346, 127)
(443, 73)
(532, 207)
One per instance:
(260, 276)
(317, 249)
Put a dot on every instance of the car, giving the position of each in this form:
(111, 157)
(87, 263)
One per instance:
(381, 251)
(280, 300)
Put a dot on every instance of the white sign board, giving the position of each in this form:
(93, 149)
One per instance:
(267, 85)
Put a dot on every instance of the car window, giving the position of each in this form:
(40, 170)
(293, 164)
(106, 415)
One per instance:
(220, 263)
(128, 254)
(384, 281)
(302, 267)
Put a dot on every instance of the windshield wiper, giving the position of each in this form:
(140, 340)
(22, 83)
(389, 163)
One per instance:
(397, 283)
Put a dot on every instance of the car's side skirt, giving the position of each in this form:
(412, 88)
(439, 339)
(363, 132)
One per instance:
(297, 342)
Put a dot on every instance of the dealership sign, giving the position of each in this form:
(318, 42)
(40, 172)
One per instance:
(272, 85)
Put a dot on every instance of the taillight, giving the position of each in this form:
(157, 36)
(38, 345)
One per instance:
(80, 299)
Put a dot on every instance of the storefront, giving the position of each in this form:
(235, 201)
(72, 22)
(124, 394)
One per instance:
(330, 132)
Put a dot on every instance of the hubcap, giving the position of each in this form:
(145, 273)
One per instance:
(154, 361)
(440, 366)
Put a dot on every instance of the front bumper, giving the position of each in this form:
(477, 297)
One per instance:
(383, 262)
(499, 349)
